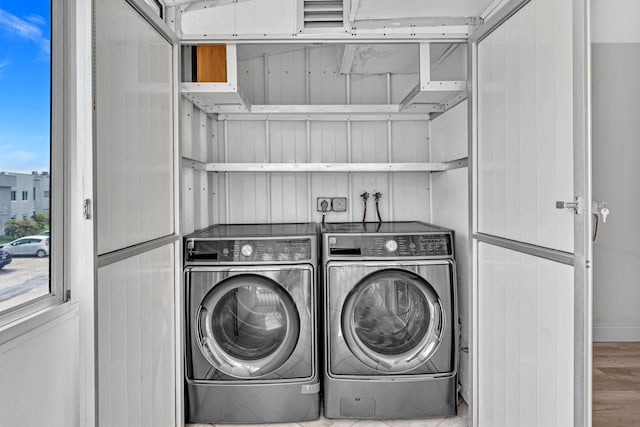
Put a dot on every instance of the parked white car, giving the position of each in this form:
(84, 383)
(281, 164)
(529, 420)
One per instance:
(29, 245)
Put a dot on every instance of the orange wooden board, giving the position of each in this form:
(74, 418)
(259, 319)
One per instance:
(212, 63)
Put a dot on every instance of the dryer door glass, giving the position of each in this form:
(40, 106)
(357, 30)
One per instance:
(393, 320)
(248, 326)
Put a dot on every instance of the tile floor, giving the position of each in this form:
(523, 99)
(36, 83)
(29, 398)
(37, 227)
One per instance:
(462, 420)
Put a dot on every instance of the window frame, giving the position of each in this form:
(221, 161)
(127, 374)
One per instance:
(17, 320)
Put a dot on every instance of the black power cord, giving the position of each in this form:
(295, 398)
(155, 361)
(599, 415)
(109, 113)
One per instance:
(365, 197)
(378, 195)
(324, 205)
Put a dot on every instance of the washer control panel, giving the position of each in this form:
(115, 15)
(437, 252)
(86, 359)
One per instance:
(250, 250)
(426, 245)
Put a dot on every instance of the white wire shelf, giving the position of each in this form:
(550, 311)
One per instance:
(325, 167)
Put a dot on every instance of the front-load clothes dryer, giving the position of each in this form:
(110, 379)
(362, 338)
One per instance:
(390, 318)
(251, 353)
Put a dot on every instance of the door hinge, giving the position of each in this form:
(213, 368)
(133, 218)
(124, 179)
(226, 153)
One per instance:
(67, 295)
(86, 209)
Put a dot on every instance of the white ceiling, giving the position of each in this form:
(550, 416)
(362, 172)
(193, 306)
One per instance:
(393, 9)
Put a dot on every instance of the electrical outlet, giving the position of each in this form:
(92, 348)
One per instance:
(339, 204)
(323, 204)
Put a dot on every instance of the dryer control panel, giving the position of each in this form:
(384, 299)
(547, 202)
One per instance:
(248, 250)
(425, 245)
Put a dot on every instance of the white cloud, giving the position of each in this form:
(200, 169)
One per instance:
(25, 29)
(36, 19)
(17, 25)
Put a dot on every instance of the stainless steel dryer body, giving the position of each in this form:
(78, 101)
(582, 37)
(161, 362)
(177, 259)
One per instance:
(390, 315)
(251, 353)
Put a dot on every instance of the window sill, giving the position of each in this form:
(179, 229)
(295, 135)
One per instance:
(14, 332)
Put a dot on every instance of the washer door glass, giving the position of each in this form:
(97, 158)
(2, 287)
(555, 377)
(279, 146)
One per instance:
(392, 320)
(248, 326)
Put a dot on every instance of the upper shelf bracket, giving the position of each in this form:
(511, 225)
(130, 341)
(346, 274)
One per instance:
(447, 94)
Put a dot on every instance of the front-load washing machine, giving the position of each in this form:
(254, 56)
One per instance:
(391, 322)
(251, 353)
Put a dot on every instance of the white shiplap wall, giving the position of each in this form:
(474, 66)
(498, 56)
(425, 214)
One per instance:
(289, 197)
(525, 345)
(450, 208)
(198, 136)
(525, 120)
(306, 75)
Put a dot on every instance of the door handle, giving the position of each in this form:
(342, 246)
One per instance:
(599, 209)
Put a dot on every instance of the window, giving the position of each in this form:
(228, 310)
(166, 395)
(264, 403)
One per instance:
(30, 60)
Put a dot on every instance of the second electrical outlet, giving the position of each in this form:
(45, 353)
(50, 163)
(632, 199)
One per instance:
(329, 204)
(339, 204)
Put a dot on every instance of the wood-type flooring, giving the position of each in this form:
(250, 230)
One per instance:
(616, 384)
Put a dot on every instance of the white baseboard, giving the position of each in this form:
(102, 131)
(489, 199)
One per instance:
(616, 333)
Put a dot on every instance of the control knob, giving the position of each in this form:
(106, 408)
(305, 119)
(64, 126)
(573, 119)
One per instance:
(246, 250)
(391, 245)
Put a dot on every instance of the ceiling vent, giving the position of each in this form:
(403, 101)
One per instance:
(323, 14)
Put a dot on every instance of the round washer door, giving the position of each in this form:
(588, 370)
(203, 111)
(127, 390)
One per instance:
(393, 320)
(247, 326)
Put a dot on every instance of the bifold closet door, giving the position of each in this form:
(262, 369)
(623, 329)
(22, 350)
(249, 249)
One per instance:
(137, 290)
(531, 275)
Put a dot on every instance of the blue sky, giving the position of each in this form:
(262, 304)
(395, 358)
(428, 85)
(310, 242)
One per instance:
(25, 61)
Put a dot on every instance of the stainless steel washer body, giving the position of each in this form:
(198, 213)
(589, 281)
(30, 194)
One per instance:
(391, 321)
(250, 342)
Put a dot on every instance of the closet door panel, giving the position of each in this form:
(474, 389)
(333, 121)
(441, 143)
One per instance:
(134, 129)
